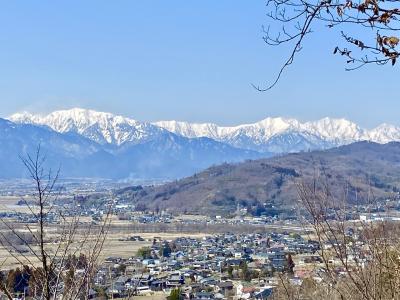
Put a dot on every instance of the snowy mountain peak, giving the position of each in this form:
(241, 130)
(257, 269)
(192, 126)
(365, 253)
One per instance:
(276, 122)
(24, 118)
(272, 126)
(101, 127)
(190, 130)
(385, 133)
(341, 131)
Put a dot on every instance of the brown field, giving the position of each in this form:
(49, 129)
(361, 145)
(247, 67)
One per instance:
(9, 203)
(113, 246)
(8, 200)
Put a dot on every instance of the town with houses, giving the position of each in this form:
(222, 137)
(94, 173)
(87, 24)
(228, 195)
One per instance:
(245, 263)
(224, 266)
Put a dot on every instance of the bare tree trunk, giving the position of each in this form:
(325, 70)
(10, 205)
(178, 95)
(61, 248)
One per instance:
(78, 246)
(368, 260)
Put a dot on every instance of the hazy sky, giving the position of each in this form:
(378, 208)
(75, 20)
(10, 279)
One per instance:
(184, 60)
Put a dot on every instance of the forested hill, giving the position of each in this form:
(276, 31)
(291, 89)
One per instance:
(268, 185)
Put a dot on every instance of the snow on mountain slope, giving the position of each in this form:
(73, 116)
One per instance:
(167, 156)
(261, 131)
(385, 133)
(339, 131)
(103, 128)
(276, 135)
(279, 135)
(191, 130)
(262, 135)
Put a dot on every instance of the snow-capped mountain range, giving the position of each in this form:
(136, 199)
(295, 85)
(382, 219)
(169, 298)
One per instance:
(276, 135)
(103, 128)
(86, 143)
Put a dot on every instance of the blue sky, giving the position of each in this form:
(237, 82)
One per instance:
(185, 60)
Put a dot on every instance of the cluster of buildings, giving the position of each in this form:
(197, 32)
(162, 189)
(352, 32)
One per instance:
(226, 266)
